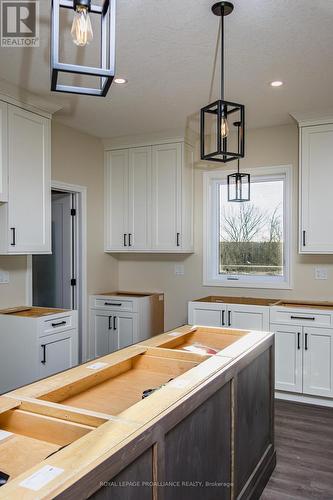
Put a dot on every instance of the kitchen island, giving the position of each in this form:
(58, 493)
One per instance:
(205, 429)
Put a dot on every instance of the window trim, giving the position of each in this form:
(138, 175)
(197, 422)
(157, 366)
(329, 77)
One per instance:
(210, 212)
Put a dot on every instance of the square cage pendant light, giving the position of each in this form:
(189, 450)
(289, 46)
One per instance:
(106, 69)
(216, 138)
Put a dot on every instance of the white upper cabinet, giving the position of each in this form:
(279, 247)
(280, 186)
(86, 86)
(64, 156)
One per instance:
(3, 152)
(316, 180)
(26, 219)
(149, 199)
(166, 209)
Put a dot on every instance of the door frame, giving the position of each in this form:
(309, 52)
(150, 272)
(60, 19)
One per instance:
(80, 194)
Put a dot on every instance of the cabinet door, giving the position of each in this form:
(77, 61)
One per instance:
(29, 208)
(116, 196)
(125, 326)
(58, 352)
(139, 225)
(288, 357)
(101, 328)
(248, 317)
(317, 364)
(204, 314)
(3, 152)
(316, 193)
(166, 194)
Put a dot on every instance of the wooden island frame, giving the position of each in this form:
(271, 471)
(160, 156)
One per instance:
(207, 433)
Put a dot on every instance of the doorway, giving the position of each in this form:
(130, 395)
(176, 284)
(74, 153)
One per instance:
(54, 282)
(59, 279)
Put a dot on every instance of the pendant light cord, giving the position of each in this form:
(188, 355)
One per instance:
(222, 53)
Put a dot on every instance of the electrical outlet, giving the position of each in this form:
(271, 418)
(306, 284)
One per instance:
(179, 269)
(4, 277)
(321, 273)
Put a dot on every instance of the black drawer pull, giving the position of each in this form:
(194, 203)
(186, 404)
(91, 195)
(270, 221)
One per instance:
(308, 318)
(112, 304)
(13, 230)
(44, 354)
(59, 324)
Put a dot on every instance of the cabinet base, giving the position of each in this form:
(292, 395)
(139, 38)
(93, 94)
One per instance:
(301, 398)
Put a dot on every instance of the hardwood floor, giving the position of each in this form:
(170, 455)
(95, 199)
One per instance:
(304, 443)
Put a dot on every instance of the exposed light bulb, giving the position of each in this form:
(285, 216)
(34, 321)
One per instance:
(224, 127)
(82, 32)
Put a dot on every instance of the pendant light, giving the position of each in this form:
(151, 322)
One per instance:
(82, 34)
(238, 183)
(215, 117)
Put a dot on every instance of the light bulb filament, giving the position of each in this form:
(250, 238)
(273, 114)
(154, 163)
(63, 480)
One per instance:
(224, 127)
(81, 31)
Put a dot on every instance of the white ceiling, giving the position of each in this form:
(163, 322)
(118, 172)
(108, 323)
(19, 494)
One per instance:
(166, 50)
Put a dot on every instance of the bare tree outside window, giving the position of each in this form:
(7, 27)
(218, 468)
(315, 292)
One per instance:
(251, 233)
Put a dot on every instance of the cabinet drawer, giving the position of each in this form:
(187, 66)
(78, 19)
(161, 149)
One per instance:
(302, 317)
(57, 324)
(112, 304)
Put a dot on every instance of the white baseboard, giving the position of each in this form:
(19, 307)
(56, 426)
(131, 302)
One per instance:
(300, 398)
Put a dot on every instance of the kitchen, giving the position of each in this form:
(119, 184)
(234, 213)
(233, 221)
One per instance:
(153, 243)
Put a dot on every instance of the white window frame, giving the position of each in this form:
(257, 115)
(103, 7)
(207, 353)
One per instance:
(211, 277)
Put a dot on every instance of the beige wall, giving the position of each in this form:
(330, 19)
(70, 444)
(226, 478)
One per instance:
(77, 158)
(265, 147)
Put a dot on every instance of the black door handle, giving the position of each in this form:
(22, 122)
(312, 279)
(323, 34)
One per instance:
(115, 322)
(44, 354)
(298, 340)
(178, 239)
(13, 230)
(59, 324)
(130, 240)
(125, 240)
(304, 238)
(306, 341)
(110, 319)
(223, 320)
(229, 318)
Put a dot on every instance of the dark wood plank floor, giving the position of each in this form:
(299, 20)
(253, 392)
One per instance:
(304, 444)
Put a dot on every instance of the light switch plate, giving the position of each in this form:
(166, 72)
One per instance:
(4, 277)
(179, 269)
(321, 273)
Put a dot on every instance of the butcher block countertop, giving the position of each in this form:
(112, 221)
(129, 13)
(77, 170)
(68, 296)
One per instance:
(69, 432)
(31, 312)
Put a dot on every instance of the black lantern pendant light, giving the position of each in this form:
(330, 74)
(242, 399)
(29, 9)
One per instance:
(238, 183)
(216, 116)
(82, 35)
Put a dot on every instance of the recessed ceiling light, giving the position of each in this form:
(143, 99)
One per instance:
(276, 83)
(120, 81)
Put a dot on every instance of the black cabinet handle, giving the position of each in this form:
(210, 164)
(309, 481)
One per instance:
(110, 319)
(298, 340)
(115, 322)
(306, 341)
(178, 239)
(59, 324)
(114, 304)
(304, 238)
(13, 230)
(125, 240)
(223, 319)
(44, 354)
(130, 240)
(229, 318)
(308, 318)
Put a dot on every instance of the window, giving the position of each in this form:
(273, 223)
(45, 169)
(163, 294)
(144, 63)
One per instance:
(248, 244)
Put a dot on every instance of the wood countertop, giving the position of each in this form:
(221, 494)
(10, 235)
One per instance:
(95, 410)
(31, 312)
(255, 301)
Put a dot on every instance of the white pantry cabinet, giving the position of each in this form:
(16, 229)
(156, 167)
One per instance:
(149, 199)
(316, 180)
(242, 316)
(25, 221)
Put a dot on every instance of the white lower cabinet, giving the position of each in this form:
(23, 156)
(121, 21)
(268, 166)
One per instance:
(288, 358)
(303, 360)
(112, 330)
(248, 317)
(317, 362)
(58, 352)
